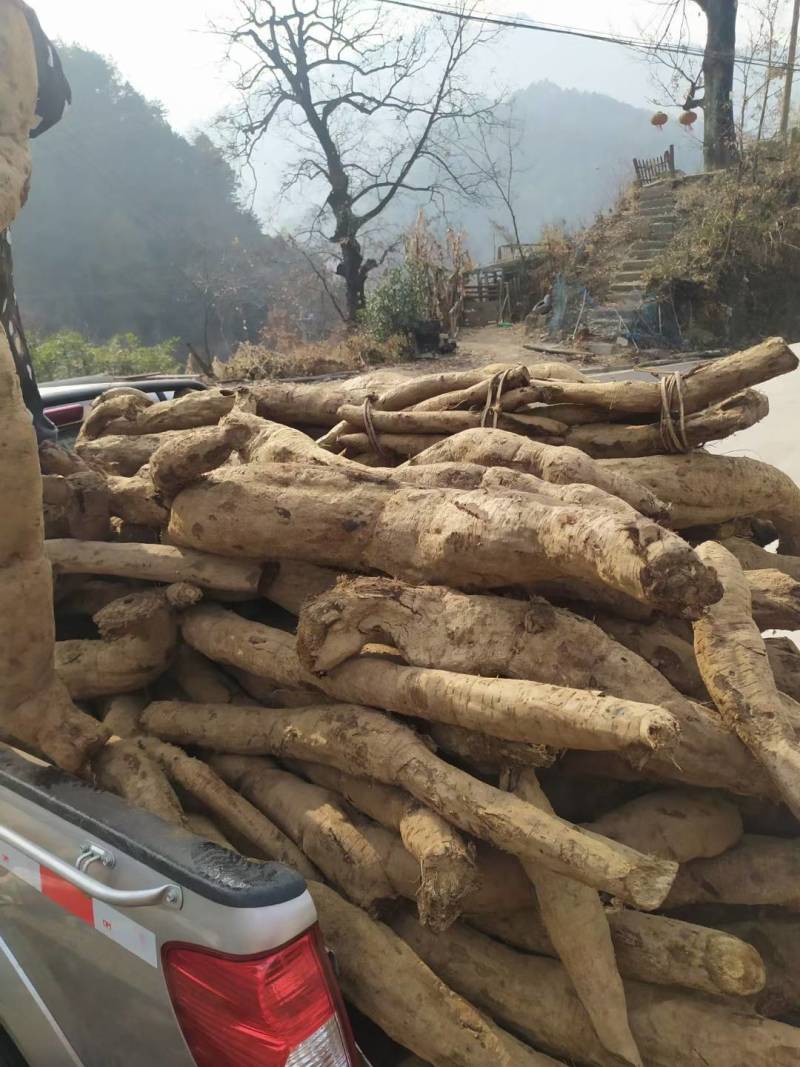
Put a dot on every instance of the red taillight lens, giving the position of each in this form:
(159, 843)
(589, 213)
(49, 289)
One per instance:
(65, 414)
(280, 1009)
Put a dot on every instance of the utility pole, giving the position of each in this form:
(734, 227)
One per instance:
(787, 92)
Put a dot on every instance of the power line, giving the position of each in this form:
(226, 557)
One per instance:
(641, 44)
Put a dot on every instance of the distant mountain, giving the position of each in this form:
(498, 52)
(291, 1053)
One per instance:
(131, 227)
(574, 156)
(516, 57)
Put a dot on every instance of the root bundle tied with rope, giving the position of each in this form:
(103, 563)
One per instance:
(673, 413)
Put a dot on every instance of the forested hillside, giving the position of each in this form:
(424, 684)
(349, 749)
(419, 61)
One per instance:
(131, 228)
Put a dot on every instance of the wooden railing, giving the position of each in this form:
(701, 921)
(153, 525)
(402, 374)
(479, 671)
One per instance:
(484, 285)
(653, 170)
(515, 251)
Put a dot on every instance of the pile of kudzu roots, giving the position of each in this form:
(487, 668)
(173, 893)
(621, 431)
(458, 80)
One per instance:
(506, 703)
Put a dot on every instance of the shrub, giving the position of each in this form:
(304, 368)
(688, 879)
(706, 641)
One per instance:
(399, 304)
(68, 354)
(352, 352)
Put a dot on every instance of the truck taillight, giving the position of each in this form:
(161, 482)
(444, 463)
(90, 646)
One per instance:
(65, 414)
(278, 1009)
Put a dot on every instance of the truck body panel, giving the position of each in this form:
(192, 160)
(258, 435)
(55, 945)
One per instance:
(82, 980)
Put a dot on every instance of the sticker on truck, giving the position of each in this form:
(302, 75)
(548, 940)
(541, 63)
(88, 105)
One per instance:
(106, 920)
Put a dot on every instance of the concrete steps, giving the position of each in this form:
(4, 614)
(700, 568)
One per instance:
(656, 208)
(625, 287)
(652, 216)
(637, 262)
(656, 191)
(667, 208)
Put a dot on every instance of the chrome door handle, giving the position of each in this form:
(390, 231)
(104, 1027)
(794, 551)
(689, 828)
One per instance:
(170, 895)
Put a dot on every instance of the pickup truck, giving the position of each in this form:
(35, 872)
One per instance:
(127, 942)
(67, 401)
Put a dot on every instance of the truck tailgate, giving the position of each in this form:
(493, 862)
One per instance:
(81, 980)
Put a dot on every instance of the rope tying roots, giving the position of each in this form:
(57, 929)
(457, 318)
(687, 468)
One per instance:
(493, 396)
(671, 426)
(370, 428)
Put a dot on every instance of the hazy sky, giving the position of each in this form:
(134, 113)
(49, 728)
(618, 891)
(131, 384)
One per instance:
(167, 52)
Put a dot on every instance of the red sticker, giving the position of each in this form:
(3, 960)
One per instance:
(67, 896)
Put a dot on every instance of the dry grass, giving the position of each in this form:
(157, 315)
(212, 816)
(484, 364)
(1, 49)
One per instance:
(288, 357)
(590, 255)
(733, 266)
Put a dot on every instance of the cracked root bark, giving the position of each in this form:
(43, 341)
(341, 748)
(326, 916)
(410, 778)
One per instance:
(733, 661)
(446, 860)
(353, 738)
(576, 923)
(35, 709)
(428, 1018)
(359, 520)
(511, 710)
(672, 1029)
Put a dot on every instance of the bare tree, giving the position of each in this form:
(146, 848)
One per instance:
(492, 155)
(372, 107)
(715, 79)
(312, 257)
(766, 43)
(230, 288)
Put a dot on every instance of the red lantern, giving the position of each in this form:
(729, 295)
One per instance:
(659, 119)
(688, 119)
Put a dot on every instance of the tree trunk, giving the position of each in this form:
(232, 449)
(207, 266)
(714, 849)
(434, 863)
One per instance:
(719, 138)
(351, 268)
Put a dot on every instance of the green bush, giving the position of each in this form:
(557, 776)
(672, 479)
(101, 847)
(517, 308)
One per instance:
(398, 304)
(68, 354)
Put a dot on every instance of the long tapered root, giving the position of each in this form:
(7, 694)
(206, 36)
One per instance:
(353, 738)
(705, 490)
(516, 711)
(650, 948)
(428, 1017)
(199, 780)
(356, 520)
(123, 768)
(316, 822)
(153, 563)
(576, 923)
(732, 658)
(669, 1026)
(447, 862)
(562, 465)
